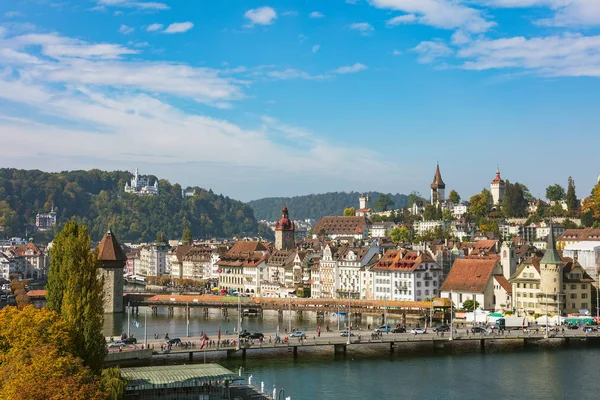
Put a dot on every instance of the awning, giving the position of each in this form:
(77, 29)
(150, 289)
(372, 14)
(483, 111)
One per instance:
(215, 289)
(169, 376)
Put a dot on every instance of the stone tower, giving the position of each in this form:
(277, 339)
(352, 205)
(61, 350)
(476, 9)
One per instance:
(284, 232)
(363, 201)
(497, 187)
(438, 188)
(508, 259)
(112, 260)
(551, 274)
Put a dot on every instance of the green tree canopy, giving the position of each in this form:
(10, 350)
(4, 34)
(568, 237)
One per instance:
(479, 205)
(75, 291)
(454, 197)
(349, 212)
(186, 238)
(571, 198)
(384, 203)
(469, 306)
(400, 234)
(555, 192)
(514, 204)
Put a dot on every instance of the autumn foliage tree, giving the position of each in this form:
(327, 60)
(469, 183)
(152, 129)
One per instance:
(74, 291)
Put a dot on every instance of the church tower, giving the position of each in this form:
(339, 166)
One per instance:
(438, 188)
(497, 187)
(508, 259)
(112, 260)
(284, 232)
(551, 274)
(363, 201)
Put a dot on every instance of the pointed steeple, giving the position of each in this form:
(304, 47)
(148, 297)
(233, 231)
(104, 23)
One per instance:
(551, 256)
(437, 179)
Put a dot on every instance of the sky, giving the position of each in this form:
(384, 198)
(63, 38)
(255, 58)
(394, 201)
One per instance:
(258, 99)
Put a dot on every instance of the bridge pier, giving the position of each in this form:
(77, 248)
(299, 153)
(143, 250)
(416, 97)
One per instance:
(339, 348)
(244, 353)
(392, 346)
(191, 356)
(295, 352)
(171, 311)
(482, 345)
(438, 344)
(230, 353)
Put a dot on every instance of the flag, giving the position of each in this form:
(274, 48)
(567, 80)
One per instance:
(219, 335)
(136, 324)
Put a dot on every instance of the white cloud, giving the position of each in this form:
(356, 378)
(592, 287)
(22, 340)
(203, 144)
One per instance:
(364, 27)
(261, 16)
(459, 37)
(396, 52)
(179, 27)
(154, 27)
(560, 55)
(350, 69)
(351, 1)
(430, 51)
(577, 13)
(126, 30)
(57, 46)
(446, 14)
(316, 48)
(142, 5)
(12, 14)
(316, 14)
(292, 73)
(289, 13)
(402, 19)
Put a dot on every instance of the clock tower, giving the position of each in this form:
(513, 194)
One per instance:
(284, 232)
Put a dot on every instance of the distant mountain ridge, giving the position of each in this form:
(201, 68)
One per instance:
(316, 206)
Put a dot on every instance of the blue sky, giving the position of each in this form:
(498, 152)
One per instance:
(257, 99)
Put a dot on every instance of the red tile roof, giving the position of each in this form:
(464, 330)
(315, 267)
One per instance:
(469, 275)
(504, 283)
(401, 260)
(109, 248)
(341, 225)
(579, 235)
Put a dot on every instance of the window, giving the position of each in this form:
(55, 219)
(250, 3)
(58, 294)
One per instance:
(434, 273)
(434, 283)
(584, 286)
(531, 295)
(418, 274)
(584, 295)
(573, 287)
(573, 296)
(427, 283)
(418, 284)
(537, 286)
(573, 305)
(584, 305)
(518, 285)
(418, 292)
(434, 291)
(426, 292)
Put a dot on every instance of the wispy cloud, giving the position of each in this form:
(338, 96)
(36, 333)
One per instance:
(396, 52)
(364, 27)
(402, 19)
(316, 48)
(290, 13)
(154, 27)
(575, 13)
(446, 14)
(12, 14)
(432, 50)
(126, 30)
(142, 5)
(292, 73)
(350, 69)
(316, 14)
(260, 16)
(179, 27)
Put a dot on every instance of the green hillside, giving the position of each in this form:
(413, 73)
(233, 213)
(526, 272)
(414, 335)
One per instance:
(316, 206)
(97, 199)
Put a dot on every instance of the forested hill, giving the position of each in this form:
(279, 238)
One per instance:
(97, 199)
(316, 206)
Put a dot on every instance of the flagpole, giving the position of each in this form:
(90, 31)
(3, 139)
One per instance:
(146, 328)
(128, 314)
(187, 318)
(451, 317)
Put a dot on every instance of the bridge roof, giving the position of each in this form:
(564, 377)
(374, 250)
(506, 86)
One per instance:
(167, 376)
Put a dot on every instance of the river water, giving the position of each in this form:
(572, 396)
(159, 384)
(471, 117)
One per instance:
(413, 371)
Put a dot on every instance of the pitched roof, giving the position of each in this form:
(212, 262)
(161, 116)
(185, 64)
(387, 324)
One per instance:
(246, 247)
(281, 258)
(504, 283)
(579, 235)
(197, 253)
(181, 250)
(401, 260)
(498, 179)
(341, 225)
(469, 275)
(109, 248)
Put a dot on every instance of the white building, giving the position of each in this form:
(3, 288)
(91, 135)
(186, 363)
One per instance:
(152, 260)
(141, 185)
(421, 227)
(407, 276)
(348, 270)
(381, 229)
(45, 221)
(460, 209)
(498, 188)
(587, 253)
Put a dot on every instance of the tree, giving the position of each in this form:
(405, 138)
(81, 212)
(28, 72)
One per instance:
(447, 215)
(489, 225)
(383, 203)
(468, 305)
(479, 205)
(592, 204)
(555, 193)
(400, 234)
(514, 204)
(430, 213)
(413, 197)
(75, 290)
(454, 197)
(572, 203)
(349, 212)
(160, 238)
(186, 238)
(526, 194)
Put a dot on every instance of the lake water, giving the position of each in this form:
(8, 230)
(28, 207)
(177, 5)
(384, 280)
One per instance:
(412, 371)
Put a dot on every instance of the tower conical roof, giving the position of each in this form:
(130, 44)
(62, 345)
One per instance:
(551, 256)
(109, 248)
(437, 179)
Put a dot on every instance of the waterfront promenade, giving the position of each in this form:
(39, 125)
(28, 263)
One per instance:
(340, 343)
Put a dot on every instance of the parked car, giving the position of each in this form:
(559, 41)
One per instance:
(441, 328)
(399, 330)
(256, 335)
(478, 329)
(345, 333)
(383, 328)
(572, 326)
(130, 340)
(417, 331)
(115, 345)
(174, 341)
(245, 334)
(298, 334)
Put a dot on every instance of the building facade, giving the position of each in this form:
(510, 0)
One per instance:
(141, 185)
(284, 232)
